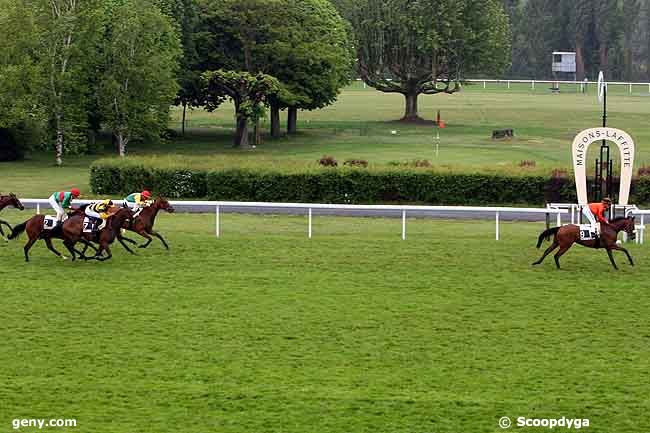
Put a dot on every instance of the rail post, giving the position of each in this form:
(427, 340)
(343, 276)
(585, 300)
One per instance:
(403, 224)
(309, 229)
(497, 223)
(38, 208)
(559, 220)
(217, 228)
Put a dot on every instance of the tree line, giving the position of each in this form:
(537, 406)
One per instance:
(71, 68)
(608, 35)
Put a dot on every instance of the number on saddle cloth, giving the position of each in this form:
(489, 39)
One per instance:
(585, 233)
(49, 222)
(90, 224)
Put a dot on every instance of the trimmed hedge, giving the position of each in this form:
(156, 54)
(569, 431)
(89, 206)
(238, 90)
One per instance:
(339, 185)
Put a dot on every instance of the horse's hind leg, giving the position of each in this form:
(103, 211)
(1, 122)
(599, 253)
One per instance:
(553, 246)
(70, 248)
(559, 254)
(28, 246)
(121, 240)
(611, 258)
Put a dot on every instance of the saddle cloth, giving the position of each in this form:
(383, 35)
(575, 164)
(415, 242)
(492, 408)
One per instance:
(90, 224)
(49, 222)
(585, 233)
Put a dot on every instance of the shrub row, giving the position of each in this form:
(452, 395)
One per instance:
(350, 185)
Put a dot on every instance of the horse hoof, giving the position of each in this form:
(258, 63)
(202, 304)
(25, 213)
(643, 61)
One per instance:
(64, 257)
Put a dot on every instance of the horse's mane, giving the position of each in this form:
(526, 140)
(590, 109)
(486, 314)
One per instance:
(617, 219)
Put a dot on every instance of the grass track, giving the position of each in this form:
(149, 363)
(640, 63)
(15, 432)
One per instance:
(355, 330)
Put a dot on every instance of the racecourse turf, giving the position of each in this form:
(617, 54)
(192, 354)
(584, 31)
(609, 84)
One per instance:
(355, 330)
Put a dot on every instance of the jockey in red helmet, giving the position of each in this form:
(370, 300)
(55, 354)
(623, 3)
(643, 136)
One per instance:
(60, 201)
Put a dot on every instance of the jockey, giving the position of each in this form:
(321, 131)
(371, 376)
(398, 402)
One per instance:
(99, 210)
(60, 201)
(596, 211)
(137, 201)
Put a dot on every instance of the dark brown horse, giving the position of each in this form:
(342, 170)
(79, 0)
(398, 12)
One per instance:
(566, 236)
(8, 200)
(143, 223)
(36, 230)
(73, 232)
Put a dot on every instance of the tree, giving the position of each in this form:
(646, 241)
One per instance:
(68, 37)
(141, 52)
(311, 54)
(247, 92)
(428, 46)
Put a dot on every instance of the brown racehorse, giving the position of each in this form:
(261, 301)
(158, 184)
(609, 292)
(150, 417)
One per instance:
(35, 231)
(8, 200)
(565, 236)
(143, 223)
(73, 232)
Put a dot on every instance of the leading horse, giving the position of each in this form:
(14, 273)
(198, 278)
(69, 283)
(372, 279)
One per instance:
(565, 236)
(143, 223)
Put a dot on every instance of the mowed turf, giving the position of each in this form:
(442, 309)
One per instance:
(355, 330)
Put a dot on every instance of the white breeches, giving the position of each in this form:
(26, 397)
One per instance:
(590, 216)
(60, 213)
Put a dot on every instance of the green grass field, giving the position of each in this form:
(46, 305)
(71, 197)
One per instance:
(355, 330)
(360, 125)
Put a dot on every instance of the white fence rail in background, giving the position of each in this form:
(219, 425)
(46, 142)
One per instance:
(218, 206)
(558, 83)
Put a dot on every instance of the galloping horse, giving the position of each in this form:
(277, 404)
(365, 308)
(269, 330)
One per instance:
(73, 232)
(143, 223)
(566, 236)
(8, 200)
(35, 228)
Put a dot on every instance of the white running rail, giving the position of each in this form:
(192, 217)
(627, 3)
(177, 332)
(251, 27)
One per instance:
(218, 206)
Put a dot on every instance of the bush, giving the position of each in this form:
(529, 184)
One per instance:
(328, 161)
(346, 185)
(356, 163)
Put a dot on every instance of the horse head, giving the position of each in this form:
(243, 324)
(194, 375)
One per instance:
(162, 203)
(13, 200)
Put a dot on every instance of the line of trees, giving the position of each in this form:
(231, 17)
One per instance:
(608, 35)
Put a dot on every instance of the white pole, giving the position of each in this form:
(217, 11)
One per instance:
(497, 218)
(309, 232)
(484, 84)
(38, 208)
(642, 228)
(533, 82)
(508, 84)
(559, 220)
(217, 228)
(630, 87)
(403, 225)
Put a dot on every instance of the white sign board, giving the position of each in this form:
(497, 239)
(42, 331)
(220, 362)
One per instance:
(579, 150)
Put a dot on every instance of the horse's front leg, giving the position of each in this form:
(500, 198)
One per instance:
(121, 240)
(611, 257)
(629, 257)
(156, 234)
(108, 251)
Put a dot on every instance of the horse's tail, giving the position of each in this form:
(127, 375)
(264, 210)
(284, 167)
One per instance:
(16, 231)
(545, 234)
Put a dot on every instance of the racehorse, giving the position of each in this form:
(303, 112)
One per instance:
(35, 228)
(565, 236)
(73, 232)
(8, 200)
(143, 223)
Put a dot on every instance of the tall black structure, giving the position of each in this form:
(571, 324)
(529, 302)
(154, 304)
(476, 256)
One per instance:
(603, 174)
